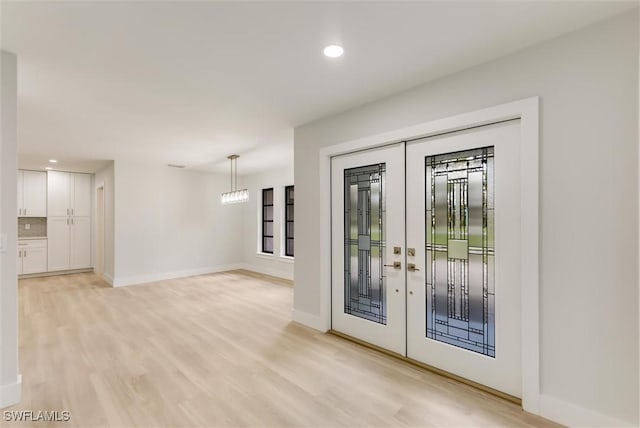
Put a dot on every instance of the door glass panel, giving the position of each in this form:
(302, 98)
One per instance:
(459, 210)
(364, 225)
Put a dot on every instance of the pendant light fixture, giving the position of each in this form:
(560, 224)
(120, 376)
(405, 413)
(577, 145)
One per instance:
(235, 196)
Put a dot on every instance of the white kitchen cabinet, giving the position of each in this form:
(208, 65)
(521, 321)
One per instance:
(32, 256)
(19, 260)
(81, 194)
(32, 194)
(68, 194)
(58, 194)
(69, 243)
(20, 192)
(69, 222)
(80, 249)
(59, 237)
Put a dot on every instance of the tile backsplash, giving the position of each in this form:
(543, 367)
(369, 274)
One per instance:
(37, 227)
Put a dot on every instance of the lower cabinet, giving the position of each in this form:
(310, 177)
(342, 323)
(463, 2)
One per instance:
(32, 256)
(80, 248)
(69, 243)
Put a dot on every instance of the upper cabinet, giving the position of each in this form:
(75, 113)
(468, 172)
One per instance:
(58, 191)
(81, 194)
(68, 194)
(32, 194)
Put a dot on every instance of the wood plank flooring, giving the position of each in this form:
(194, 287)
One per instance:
(219, 350)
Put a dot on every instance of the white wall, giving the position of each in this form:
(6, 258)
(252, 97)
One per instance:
(106, 178)
(588, 84)
(9, 377)
(275, 264)
(169, 223)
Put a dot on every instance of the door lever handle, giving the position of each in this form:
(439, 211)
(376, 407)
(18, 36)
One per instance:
(411, 267)
(395, 265)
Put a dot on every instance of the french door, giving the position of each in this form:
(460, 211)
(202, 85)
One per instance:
(425, 260)
(369, 287)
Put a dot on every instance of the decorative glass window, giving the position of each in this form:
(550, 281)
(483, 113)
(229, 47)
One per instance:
(267, 221)
(288, 221)
(459, 207)
(364, 225)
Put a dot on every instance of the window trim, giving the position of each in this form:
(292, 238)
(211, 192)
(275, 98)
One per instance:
(263, 221)
(286, 237)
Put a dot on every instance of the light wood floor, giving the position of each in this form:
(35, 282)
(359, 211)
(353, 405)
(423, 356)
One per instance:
(219, 350)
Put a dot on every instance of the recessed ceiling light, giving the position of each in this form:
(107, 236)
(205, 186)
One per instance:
(333, 51)
(53, 161)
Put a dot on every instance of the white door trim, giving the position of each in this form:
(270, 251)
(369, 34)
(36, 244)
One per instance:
(528, 112)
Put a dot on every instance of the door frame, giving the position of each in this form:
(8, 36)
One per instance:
(99, 232)
(527, 110)
(98, 246)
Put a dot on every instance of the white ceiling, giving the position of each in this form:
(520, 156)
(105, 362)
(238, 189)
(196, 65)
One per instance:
(190, 83)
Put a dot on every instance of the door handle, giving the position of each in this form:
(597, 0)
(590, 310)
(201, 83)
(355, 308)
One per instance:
(395, 265)
(411, 267)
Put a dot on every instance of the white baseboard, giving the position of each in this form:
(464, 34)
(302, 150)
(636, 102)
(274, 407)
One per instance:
(10, 393)
(54, 273)
(269, 271)
(108, 278)
(310, 320)
(575, 416)
(141, 279)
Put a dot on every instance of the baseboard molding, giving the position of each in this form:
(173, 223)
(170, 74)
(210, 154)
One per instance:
(54, 273)
(108, 278)
(142, 279)
(575, 416)
(11, 393)
(268, 271)
(310, 320)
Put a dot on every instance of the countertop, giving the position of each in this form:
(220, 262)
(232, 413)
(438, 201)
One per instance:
(29, 238)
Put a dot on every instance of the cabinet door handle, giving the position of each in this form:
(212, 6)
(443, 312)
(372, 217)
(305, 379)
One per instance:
(72, 222)
(67, 211)
(20, 254)
(25, 253)
(25, 211)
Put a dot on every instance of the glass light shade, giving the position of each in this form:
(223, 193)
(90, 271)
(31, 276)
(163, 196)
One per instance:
(235, 197)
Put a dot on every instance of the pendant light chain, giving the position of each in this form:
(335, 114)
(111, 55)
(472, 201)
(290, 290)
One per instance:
(234, 196)
(235, 184)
